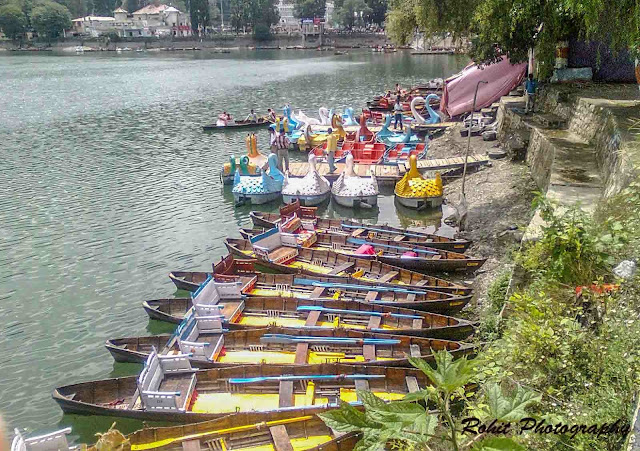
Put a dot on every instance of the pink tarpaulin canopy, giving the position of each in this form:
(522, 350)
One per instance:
(503, 77)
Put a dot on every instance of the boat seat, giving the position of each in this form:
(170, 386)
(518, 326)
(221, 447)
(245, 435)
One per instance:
(282, 254)
(166, 383)
(312, 318)
(374, 322)
(231, 310)
(361, 384)
(357, 232)
(317, 292)
(422, 283)
(388, 276)
(285, 394)
(302, 352)
(412, 384)
(415, 350)
(281, 439)
(341, 268)
(399, 238)
(417, 323)
(56, 440)
(371, 296)
(191, 445)
(411, 297)
(191, 329)
(369, 352)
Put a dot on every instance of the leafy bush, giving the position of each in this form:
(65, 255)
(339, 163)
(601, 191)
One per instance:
(261, 32)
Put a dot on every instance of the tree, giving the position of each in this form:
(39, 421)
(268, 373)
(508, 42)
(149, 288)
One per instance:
(352, 12)
(378, 11)
(77, 8)
(238, 14)
(264, 12)
(199, 11)
(13, 21)
(50, 18)
(309, 8)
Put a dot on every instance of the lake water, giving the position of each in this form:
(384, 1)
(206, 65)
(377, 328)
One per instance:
(107, 183)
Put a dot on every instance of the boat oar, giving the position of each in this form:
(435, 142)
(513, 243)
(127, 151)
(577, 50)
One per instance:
(283, 338)
(306, 377)
(311, 308)
(347, 286)
(374, 229)
(388, 246)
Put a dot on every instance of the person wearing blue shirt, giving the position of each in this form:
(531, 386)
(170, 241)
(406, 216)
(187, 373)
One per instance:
(530, 91)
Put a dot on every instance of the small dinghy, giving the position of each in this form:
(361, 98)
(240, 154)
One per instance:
(170, 389)
(414, 191)
(251, 165)
(53, 441)
(259, 189)
(358, 229)
(349, 190)
(225, 124)
(247, 432)
(312, 189)
(286, 346)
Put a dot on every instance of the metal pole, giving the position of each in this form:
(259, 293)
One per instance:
(466, 154)
(221, 18)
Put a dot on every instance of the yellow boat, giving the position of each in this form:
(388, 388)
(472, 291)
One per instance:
(415, 191)
(169, 389)
(256, 160)
(245, 432)
(309, 140)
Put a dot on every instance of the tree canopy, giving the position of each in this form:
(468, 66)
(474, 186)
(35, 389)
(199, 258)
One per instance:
(13, 21)
(50, 19)
(351, 12)
(309, 8)
(512, 27)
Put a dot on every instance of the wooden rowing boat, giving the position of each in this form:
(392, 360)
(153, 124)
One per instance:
(238, 125)
(317, 287)
(260, 312)
(289, 346)
(322, 262)
(357, 229)
(246, 431)
(417, 258)
(168, 389)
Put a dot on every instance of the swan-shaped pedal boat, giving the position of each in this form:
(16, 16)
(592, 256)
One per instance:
(312, 189)
(414, 191)
(392, 139)
(434, 118)
(249, 165)
(259, 189)
(349, 190)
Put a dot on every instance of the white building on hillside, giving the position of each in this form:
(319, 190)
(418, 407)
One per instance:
(93, 26)
(287, 21)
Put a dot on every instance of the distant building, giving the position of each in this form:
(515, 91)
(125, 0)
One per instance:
(93, 26)
(152, 20)
(287, 21)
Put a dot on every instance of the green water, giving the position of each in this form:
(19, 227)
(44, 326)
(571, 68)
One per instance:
(107, 183)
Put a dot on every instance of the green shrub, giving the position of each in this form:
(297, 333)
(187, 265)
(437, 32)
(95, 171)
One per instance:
(261, 32)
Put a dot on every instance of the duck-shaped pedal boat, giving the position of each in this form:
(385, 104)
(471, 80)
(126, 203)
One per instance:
(414, 191)
(312, 189)
(251, 164)
(391, 138)
(259, 189)
(350, 190)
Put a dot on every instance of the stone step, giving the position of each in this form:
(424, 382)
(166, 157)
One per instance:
(549, 120)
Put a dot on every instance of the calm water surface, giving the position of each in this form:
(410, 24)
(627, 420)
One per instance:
(107, 183)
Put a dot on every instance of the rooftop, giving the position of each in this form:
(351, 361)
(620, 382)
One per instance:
(94, 19)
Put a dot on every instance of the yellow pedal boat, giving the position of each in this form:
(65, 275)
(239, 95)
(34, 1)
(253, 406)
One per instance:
(415, 191)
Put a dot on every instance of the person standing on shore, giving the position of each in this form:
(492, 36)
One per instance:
(281, 144)
(530, 86)
(397, 109)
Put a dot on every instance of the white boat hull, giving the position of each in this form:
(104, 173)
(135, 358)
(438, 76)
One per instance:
(418, 203)
(355, 201)
(255, 199)
(307, 201)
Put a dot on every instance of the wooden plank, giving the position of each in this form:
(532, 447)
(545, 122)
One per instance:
(285, 394)
(317, 292)
(343, 267)
(415, 350)
(422, 283)
(281, 439)
(362, 384)
(357, 232)
(302, 352)
(312, 318)
(388, 276)
(371, 296)
(399, 238)
(369, 352)
(412, 384)
(191, 445)
(417, 323)
(374, 322)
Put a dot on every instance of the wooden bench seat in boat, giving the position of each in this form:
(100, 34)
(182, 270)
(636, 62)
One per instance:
(166, 383)
(275, 246)
(189, 337)
(211, 292)
(341, 268)
(388, 276)
(56, 440)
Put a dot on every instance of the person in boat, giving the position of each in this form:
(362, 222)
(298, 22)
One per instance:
(388, 94)
(252, 116)
(398, 90)
(281, 144)
(397, 109)
(332, 145)
(272, 115)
